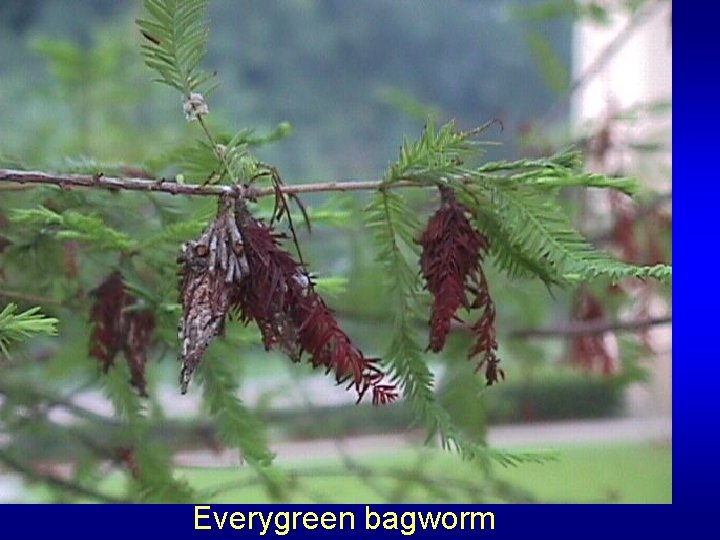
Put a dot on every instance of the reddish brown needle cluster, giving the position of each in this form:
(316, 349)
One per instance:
(452, 253)
(118, 325)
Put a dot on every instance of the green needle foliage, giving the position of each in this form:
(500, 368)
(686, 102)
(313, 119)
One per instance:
(176, 36)
(394, 228)
(71, 225)
(543, 231)
(236, 425)
(515, 204)
(21, 326)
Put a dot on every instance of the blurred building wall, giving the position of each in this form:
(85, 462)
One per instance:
(622, 66)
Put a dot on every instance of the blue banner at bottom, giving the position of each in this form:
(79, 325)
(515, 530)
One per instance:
(336, 521)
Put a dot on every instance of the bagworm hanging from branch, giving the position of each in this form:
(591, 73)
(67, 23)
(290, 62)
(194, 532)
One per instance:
(119, 324)
(211, 266)
(237, 266)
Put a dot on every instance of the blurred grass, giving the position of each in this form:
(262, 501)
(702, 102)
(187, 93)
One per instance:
(625, 473)
(583, 474)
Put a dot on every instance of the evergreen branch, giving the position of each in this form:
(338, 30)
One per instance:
(153, 476)
(626, 185)
(437, 156)
(175, 233)
(172, 187)
(563, 169)
(509, 255)
(116, 183)
(176, 36)
(199, 161)
(543, 230)
(150, 467)
(126, 404)
(237, 426)
(224, 155)
(394, 229)
(72, 225)
(20, 326)
(513, 200)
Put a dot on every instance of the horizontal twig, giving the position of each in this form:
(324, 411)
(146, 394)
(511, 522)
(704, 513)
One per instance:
(590, 328)
(51, 400)
(162, 185)
(29, 298)
(573, 329)
(14, 187)
(29, 473)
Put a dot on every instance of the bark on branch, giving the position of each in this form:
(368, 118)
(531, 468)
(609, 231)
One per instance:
(162, 185)
(589, 328)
